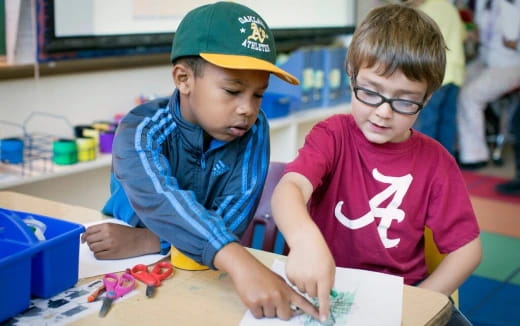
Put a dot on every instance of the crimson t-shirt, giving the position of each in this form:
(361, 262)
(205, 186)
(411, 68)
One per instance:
(373, 201)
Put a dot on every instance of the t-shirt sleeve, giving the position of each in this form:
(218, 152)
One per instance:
(450, 215)
(317, 156)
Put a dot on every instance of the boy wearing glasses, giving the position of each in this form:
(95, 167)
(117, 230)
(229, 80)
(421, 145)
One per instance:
(364, 186)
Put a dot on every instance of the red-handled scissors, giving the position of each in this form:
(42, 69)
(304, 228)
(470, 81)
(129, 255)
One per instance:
(152, 278)
(116, 287)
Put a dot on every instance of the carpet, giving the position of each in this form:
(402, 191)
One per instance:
(491, 295)
(481, 185)
(500, 258)
(487, 302)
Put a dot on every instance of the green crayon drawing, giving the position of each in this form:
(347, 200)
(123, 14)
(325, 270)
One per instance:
(340, 306)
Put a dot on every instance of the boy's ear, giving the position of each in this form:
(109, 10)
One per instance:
(182, 77)
(349, 70)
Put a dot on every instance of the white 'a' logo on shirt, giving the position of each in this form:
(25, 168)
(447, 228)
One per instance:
(397, 186)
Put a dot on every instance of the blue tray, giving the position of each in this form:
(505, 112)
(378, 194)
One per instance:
(32, 267)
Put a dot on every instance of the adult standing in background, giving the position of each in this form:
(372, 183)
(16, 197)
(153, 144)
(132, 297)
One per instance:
(438, 119)
(495, 71)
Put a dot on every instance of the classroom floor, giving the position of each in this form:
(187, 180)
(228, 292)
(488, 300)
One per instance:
(491, 296)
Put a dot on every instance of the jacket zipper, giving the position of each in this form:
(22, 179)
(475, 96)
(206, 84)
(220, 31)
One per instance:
(203, 161)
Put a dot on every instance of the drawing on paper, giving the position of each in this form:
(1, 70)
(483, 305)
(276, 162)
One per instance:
(340, 306)
(359, 298)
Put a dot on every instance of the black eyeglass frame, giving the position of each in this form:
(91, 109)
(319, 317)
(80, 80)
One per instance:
(384, 99)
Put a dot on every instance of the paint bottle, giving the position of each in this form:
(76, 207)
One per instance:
(94, 134)
(78, 130)
(106, 138)
(11, 150)
(64, 152)
(86, 149)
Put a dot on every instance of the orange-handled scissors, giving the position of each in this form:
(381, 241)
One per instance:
(152, 278)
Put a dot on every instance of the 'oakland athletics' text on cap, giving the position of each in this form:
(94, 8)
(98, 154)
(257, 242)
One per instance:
(228, 35)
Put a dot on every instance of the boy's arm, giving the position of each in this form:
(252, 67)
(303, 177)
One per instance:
(265, 293)
(310, 265)
(455, 268)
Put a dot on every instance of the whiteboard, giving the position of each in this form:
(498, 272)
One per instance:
(120, 17)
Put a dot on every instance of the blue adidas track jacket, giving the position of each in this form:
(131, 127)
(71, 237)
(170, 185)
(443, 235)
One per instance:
(162, 179)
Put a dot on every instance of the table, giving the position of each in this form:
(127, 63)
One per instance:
(205, 298)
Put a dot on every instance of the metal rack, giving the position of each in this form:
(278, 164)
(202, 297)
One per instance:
(37, 149)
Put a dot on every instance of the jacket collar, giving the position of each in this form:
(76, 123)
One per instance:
(192, 135)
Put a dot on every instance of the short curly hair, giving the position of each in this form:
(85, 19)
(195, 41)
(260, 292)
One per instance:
(195, 63)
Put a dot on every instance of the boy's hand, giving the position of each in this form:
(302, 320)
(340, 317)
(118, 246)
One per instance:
(115, 241)
(264, 292)
(311, 268)
(310, 265)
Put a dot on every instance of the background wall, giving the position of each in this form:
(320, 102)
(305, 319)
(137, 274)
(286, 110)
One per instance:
(363, 7)
(82, 98)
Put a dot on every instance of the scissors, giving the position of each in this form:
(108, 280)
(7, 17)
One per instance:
(116, 287)
(152, 278)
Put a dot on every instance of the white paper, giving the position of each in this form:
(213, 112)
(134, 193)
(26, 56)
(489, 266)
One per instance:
(12, 16)
(376, 299)
(91, 266)
(20, 28)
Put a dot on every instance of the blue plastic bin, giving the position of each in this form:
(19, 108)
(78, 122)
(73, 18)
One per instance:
(15, 278)
(11, 150)
(45, 267)
(277, 105)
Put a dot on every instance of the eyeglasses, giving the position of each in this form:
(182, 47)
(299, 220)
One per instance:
(375, 99)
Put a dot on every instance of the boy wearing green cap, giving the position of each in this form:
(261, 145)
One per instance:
(189, 170)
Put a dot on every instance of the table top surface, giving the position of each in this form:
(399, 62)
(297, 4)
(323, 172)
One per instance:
(202, 297)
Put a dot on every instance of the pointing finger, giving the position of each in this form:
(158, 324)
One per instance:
(324, 300)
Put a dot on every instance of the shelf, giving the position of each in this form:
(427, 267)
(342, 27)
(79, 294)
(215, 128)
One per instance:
(17, 175)
(81, 65)
(308, 116)
(287, 134)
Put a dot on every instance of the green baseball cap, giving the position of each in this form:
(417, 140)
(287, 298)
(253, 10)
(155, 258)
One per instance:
(228, 35)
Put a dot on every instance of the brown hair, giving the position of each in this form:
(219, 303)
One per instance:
(398, 37)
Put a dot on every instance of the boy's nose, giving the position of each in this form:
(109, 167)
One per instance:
(384, 110)
(246, 108)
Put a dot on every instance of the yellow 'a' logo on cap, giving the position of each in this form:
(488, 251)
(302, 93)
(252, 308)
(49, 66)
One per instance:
(257, 34)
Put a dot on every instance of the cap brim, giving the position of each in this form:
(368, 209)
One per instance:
(244, 62)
